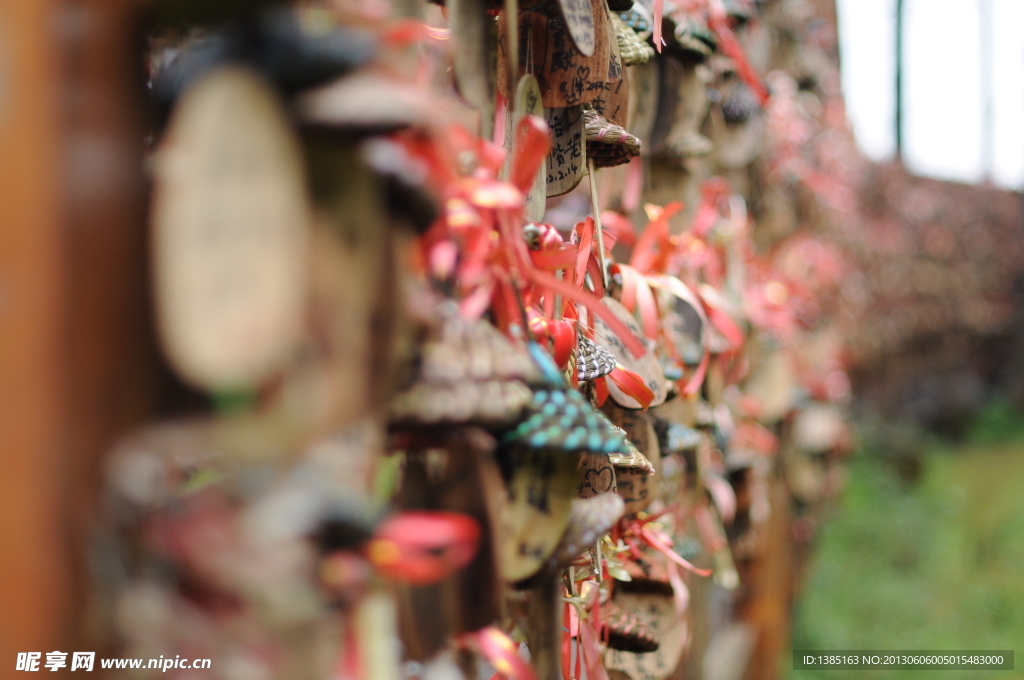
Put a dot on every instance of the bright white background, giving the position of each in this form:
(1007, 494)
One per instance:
(943, 107)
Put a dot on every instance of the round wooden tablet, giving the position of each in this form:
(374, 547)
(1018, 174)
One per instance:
(647, 367)
(230, 219)
(579, 19)
(567, 160)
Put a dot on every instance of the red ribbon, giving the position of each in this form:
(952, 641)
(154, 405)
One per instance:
(408, 31)
(658, 12)
(500, 651)
(708, 214)
(531, 149)
(655, 246)
(585, 631)
(730, 46)
(632, 385)
(422, 546)
(631, 529)
(720, 319)
(562, 334)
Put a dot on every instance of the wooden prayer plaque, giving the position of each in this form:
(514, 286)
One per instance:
(659, 614)
(579, 19)
(539, 502)
(647, 367)
(230, 219)
(528, 103)
(567, 161)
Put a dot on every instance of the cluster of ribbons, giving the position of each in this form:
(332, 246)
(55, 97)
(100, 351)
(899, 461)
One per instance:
(579, 262)
(477, 243)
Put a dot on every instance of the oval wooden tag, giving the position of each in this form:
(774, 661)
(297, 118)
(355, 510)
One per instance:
(528, 103)
(637, 489)
(648, 367)
(532, 36)
(639, 430)
(597, 476)
(613, 101)
(569, 78)
(658, 612)
(539, 503)
(684, 322)
(567, 160)
(230, 218)
(579, 19)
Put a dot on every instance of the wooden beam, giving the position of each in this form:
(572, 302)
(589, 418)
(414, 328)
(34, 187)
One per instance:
(77, 359)
(34, 580)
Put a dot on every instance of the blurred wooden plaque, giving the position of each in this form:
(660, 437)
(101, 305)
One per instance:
(528, 103)
(658, 613)
(470, 30)
(643, 93)
(230, 219)
(536, 515)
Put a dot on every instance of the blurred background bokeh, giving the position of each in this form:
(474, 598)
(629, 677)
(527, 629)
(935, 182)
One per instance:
(925, 548)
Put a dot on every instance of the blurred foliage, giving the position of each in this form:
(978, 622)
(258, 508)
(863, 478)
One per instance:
(1000, 422)
(933, 565)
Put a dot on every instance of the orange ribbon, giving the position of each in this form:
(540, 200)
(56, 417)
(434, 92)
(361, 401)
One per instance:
(631, 384)
(655, 245)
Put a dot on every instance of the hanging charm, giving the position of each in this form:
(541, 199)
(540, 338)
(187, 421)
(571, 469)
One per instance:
(592, 360)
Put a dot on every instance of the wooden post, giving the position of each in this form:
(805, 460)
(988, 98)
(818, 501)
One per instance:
(77, 360)
(769, 610)
(34, 581)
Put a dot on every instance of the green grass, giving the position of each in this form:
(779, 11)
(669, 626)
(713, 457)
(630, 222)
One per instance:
(937, 565)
